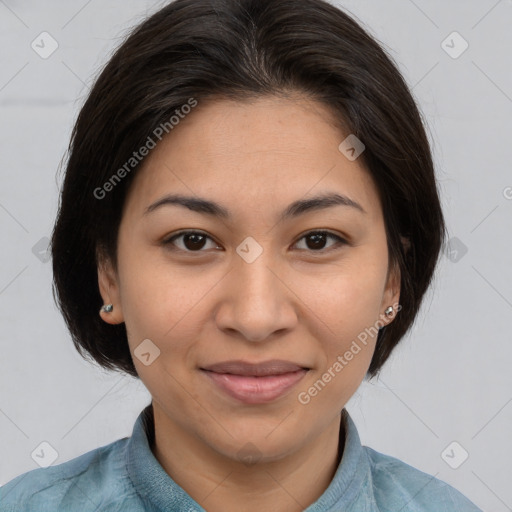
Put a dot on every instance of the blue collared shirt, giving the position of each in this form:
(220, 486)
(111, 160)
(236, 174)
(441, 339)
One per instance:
(125, 476)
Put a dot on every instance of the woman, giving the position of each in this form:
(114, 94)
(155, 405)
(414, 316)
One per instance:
(250, 203)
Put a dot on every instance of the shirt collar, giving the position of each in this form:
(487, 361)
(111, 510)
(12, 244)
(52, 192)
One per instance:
(160, 492)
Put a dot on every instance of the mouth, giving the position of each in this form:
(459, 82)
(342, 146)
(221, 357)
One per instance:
(255, 383)
(263, 369)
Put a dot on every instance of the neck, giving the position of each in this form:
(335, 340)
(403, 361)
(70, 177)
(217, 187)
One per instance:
(283, 483)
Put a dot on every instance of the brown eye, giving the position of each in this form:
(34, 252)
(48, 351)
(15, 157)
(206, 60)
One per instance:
(316, 240)
(192, 241)
(196, 241)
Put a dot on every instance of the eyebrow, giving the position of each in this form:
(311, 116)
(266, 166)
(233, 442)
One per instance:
(295, 209)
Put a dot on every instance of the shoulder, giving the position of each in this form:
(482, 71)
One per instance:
(399, 486)
(95, 478)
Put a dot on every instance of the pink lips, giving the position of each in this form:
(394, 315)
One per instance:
(255, 383)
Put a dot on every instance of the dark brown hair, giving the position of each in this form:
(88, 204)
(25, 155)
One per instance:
(241, 49)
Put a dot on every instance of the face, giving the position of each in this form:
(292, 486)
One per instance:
(252, 284)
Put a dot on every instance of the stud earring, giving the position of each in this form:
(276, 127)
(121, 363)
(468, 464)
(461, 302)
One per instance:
(389, 311)
(107, 308)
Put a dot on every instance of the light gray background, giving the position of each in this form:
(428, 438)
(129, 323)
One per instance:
(450, 379)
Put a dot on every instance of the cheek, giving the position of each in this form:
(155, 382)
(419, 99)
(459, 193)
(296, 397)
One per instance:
(347, 311)
(345, 350)
(154, 295)
(163, 303)
(349, 297)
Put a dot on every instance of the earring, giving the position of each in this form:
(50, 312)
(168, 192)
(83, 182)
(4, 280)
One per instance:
(389, 311)
(107, 308)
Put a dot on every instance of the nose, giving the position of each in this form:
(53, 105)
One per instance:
(257, 301)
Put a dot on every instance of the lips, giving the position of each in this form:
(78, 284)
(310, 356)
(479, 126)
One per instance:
(263, 369)
(255, 383)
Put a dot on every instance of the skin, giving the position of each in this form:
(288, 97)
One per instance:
(297, 301)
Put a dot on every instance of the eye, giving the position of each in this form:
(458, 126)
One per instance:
(318, 238)
(195, 241)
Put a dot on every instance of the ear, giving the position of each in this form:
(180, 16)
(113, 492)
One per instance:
(108, 282)
(391, 296)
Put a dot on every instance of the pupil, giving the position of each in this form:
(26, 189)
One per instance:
(194, 237)
(318, 237)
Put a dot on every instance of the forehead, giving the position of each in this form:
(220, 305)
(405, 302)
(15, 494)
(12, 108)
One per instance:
(259, 153)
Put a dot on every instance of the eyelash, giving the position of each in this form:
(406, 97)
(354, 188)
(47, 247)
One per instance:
(340, 241)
